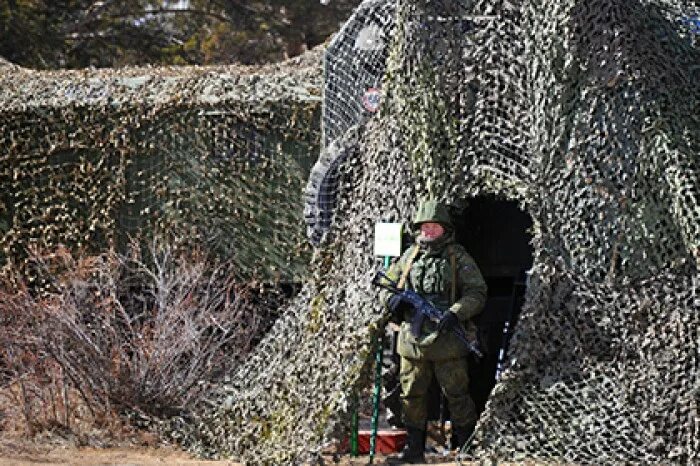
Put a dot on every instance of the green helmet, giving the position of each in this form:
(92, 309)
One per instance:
(432, 211)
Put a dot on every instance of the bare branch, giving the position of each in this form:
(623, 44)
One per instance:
(142, 335)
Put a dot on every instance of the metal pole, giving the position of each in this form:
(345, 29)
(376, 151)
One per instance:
(377, 391)
(354, 434)
(379, 342)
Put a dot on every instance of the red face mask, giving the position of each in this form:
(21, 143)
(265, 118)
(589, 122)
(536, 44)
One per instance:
(431, 230)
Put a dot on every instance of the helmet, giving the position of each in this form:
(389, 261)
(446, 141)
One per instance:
(432, 211)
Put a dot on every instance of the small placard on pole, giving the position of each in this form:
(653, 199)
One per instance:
(387, 239)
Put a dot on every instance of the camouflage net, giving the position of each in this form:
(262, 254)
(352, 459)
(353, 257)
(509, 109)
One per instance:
(586, 114)
(218, 154)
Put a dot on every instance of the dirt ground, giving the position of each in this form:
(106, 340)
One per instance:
(50, 450)
(134, 457)
(110, 456)
(62, 447)
(28, 453)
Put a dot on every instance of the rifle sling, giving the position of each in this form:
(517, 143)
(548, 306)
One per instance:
(407, 267)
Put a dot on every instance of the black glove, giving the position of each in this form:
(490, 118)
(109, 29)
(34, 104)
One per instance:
(448, 322)
(394, 304)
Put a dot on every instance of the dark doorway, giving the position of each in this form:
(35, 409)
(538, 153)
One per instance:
(497, 235)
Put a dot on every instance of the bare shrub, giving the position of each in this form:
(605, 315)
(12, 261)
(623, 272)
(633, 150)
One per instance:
(35, 394)
(145, 335)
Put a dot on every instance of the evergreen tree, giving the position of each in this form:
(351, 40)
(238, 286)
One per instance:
(48, 34)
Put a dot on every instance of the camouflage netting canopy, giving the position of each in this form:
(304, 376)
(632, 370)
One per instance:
(219, 155)
(586, 113)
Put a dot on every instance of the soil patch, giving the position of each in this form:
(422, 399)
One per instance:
(20, 453)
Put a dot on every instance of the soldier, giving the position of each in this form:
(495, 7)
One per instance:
(439, 269)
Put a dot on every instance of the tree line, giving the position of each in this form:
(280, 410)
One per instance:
(51, 34)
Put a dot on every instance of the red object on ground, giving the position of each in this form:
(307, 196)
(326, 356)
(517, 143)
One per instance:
(388, 441)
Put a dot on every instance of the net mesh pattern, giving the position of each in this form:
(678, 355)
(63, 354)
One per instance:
(585, 113)
(220, 154)
(355, 62)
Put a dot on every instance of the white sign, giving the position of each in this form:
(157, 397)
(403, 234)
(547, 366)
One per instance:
(387, 239)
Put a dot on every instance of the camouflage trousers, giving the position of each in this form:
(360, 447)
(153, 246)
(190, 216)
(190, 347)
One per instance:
(452, 376)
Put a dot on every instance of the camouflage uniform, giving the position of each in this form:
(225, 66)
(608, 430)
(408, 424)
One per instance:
(436, 352)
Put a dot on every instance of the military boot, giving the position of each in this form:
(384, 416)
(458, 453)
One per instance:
(413, 452)
(460, 435)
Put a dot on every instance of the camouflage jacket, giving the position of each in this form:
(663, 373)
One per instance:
(431, 276)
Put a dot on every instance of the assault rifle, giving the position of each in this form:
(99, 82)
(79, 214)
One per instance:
(424, 309)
